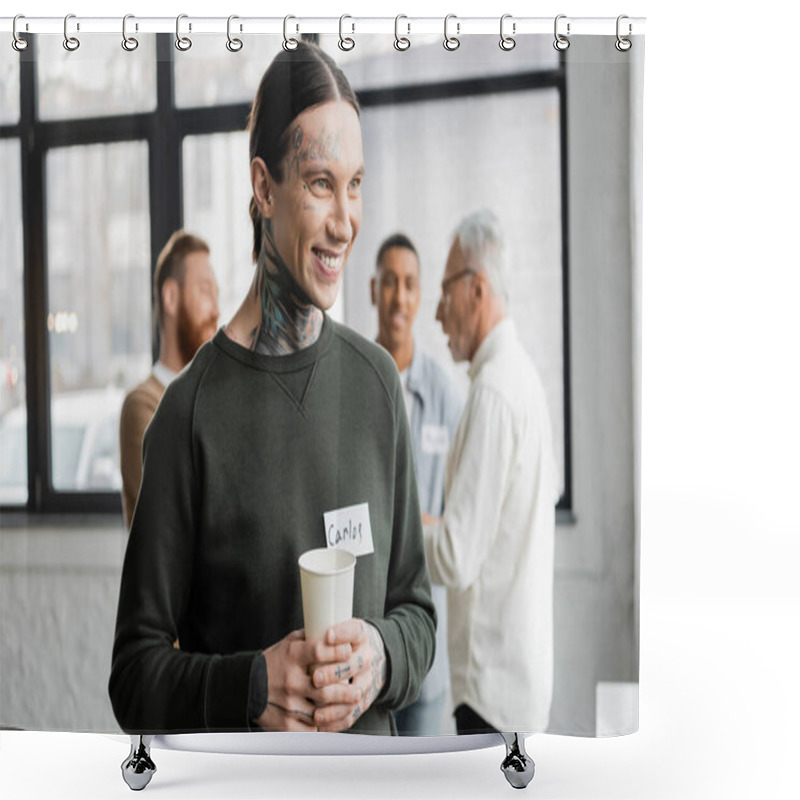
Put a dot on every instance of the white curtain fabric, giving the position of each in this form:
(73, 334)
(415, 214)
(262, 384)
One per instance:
(555, 154)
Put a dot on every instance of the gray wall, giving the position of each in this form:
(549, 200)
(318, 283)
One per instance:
(596, 555)
(58, 601)
(59, 580)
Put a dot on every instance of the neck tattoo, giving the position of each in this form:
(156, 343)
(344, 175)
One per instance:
(289, 320)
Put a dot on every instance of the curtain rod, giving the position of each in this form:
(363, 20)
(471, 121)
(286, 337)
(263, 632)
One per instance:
(350, 25)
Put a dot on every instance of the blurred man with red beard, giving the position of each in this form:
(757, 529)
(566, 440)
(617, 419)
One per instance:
(186, 296)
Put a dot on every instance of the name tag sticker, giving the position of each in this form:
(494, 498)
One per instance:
(435, 439)
(349, 529)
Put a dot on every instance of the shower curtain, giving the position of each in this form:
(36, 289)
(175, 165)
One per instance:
(105, 151)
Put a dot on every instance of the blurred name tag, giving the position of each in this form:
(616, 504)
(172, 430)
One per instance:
(435, 439)
(349, 529)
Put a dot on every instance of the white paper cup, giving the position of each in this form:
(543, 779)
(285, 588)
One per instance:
(326, 582)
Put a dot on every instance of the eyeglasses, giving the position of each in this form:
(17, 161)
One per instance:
(453, 278)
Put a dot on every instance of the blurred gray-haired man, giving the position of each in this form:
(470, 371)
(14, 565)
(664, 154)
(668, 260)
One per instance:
(493, 546)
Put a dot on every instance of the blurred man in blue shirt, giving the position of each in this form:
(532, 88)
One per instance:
(433, 408)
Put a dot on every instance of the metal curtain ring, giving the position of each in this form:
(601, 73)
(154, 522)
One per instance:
(182, 43)
(622, 44)
(289, 43)
(345, 42)
(233, 44)
(561, 42)
(451, 42)
(401, 42)
(70, 42)
(18, 43)
(507, 42)
(128, 42)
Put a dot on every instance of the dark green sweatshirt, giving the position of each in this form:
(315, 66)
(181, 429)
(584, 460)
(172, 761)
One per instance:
(244, 455)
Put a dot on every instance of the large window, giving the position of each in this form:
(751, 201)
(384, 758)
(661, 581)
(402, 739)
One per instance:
(77, 248)
(450, 133)
(121, 149)
(13, 430)
(216, 200)
(98, 79)
(471, 173)
(98, 287)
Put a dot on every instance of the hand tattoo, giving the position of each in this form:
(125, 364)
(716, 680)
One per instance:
(304, 715)
(378, 665)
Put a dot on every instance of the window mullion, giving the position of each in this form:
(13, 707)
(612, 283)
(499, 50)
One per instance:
(166, 198)
(35, 287)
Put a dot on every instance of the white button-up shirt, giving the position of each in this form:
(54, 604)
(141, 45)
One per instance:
(493, 548)
(164, 375)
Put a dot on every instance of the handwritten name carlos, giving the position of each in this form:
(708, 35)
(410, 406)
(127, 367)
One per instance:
(349, 533)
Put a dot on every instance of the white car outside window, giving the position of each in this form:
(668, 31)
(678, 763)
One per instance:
(85, 445)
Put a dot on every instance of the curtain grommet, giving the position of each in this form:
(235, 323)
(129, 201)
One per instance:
(182, 43)
(401, 43)
(129, 43)
(18, 43)
(561, 42)
(507, 43)
(623, 44)
(289, 42)
(233, 44)
(451, 43)
(71, 43)
(346, 43)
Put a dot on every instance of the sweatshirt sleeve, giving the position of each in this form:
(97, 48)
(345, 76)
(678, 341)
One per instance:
(408, 627)
(154, 686)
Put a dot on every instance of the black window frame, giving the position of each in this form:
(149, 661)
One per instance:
(163, 129)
